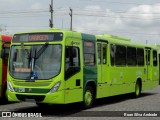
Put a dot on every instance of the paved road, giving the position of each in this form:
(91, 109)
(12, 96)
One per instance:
(107, 108)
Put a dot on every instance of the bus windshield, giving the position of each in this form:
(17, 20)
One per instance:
(35, 61)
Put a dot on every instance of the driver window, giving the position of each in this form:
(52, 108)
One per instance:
(72, 61)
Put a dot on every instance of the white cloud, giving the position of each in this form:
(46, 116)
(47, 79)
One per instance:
(140, 16)
(91, 22)
(140, 22)
(19, 16)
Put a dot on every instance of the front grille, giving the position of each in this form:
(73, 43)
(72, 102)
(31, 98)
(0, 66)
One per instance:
(37, 98)
(39, 84)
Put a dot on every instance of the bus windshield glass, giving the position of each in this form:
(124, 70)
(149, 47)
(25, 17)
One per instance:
(35, 61)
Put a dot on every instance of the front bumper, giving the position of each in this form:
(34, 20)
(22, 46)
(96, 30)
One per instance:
(52, 98)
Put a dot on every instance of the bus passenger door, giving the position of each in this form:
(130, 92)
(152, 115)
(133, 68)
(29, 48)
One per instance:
(155, 68)
(73, 73)
(148, 65)
(103, 89)
(99, 81)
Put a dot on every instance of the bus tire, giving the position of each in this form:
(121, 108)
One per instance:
(137, 92)
(88, 97)
(4, 97)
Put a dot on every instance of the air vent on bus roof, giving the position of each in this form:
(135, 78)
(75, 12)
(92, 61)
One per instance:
(115, 37)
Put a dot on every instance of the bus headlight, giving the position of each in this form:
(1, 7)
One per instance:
(55, 87)
(9, 86)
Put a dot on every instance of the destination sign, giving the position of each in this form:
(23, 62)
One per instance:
(38, 37)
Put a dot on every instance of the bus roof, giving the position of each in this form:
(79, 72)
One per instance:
(122, 41)
(116, 37)
(66, 34)
(110, 38)
(113, 37)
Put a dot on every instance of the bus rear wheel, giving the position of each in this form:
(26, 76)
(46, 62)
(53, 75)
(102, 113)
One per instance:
(88, 98)
(137, 92)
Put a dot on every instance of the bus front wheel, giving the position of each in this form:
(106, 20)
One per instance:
(88, 98)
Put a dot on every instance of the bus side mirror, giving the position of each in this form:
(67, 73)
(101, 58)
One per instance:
(71, 52)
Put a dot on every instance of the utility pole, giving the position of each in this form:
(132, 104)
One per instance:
(71, 18)
(51, 11)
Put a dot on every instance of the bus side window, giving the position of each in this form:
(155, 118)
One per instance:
(99, 53)
(72, 61)
(140, 56)
(120, 55)
(104, 53)
(148, 57)
(154, 58)
(131, 56)
(112, 54)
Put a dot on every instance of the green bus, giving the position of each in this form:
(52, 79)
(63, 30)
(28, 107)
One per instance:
(60, 67)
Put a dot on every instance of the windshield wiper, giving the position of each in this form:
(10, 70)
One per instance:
(34, 54)
(40, 51)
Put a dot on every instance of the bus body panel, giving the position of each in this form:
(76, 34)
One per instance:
(74, 83)
(89, 60)
(24, 90)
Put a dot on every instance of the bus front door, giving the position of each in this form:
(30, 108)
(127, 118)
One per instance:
(73, 72)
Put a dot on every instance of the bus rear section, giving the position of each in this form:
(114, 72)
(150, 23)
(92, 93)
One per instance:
(4, 48)
(125, 67)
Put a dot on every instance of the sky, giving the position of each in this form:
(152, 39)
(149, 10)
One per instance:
(138, 20)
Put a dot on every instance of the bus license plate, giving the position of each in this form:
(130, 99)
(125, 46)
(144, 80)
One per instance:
(30, 100)
(22, 90)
